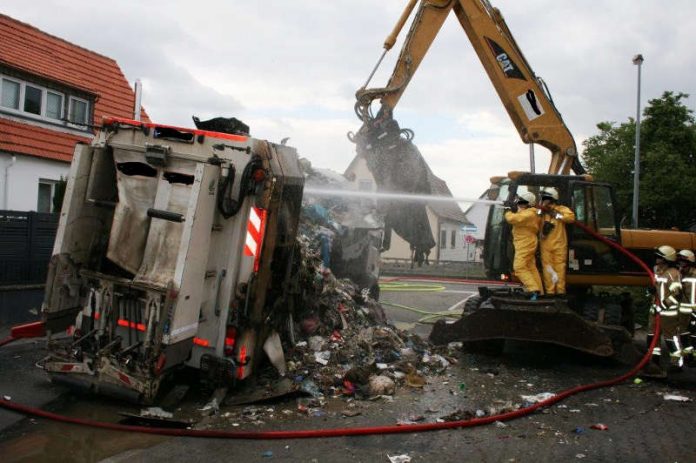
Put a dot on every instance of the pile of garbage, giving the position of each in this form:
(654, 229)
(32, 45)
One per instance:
(343, 343)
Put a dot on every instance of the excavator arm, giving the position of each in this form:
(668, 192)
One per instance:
(523, 94)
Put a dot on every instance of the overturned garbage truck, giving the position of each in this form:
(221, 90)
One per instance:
(174, 248)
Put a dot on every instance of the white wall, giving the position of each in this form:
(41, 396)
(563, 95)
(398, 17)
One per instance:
(23, 179)
(459, 251)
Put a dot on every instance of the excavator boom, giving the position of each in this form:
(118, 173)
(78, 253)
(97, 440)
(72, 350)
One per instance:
(523, 94)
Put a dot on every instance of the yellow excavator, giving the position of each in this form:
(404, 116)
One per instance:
(590, 321)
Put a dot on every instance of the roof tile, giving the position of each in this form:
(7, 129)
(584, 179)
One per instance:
(26, 48)
(19, 138)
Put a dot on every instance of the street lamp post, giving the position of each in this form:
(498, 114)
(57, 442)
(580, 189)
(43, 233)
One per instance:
(638, 61)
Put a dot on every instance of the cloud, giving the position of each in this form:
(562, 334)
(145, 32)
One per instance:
(292, 68)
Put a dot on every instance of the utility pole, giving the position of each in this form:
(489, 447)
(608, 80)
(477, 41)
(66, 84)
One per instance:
(638, 61)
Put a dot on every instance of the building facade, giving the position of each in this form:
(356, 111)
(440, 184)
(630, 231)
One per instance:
(53, 94)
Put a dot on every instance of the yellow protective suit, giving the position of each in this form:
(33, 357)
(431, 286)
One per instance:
(525, 231)
(554, 248)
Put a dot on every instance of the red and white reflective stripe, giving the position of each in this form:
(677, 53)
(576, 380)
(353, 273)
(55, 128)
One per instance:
(254, 235)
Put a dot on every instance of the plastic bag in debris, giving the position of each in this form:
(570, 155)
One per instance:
(532, 399)
(381, 385)
(399, 458)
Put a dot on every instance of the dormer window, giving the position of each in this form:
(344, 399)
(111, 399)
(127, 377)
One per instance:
(78, 111)
(34, 101)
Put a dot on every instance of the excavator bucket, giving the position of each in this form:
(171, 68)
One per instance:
(547, 320)
(397, 166)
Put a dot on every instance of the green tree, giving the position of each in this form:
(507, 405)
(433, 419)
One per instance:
(667, 165)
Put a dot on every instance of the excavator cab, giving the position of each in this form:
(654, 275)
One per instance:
(593, 204)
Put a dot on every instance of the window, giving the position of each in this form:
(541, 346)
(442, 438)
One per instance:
(443, 239)
(10, 94)
(35, 101)
(32, 100)
(54, 105)
(365, 185)
(47, 189)
(453, 239)
(78, 111)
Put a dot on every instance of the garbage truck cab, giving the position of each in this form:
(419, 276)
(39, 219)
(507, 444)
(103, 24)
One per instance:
(173, 248)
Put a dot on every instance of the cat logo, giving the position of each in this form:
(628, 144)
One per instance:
(507, 65)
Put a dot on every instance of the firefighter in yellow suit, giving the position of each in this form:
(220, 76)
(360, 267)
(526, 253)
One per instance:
(525, 230)
(554, 241)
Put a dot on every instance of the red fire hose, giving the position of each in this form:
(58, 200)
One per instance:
(362, 431)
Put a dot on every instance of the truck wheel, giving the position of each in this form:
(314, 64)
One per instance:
(473, 304)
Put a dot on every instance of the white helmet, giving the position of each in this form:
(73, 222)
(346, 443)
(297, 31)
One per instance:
(549, 193)
(527, 197)
(667, 253)
(686, 255)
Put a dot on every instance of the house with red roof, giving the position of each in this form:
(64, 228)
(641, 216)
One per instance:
(53, 94)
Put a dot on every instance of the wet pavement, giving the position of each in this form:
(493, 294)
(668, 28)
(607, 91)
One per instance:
(641, 424)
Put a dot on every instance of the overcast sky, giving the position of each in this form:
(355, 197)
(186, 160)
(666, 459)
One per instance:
(291, 68)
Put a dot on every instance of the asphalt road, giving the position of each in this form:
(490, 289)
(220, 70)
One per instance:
(642, 424)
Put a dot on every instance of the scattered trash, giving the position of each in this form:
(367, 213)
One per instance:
(155, 412)
(310, 388)
(462, 386)
(351, 413)
(600, 427)
(579, 430)
(213, 406)
(532, 399)
(274, 350)
(322, 357)
(415, 380)
(580, 456)
(267, 454)
(637, 381)
(399, 458)
(7, 397)
(381, 385)
(500, 424)
(676, 398)
(459, 415)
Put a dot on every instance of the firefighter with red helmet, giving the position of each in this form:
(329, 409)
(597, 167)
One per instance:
(667, 297)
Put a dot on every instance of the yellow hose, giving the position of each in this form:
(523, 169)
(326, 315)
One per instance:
(401, 286)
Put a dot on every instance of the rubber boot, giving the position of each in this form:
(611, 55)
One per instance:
(653, 369)
(676, 355)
